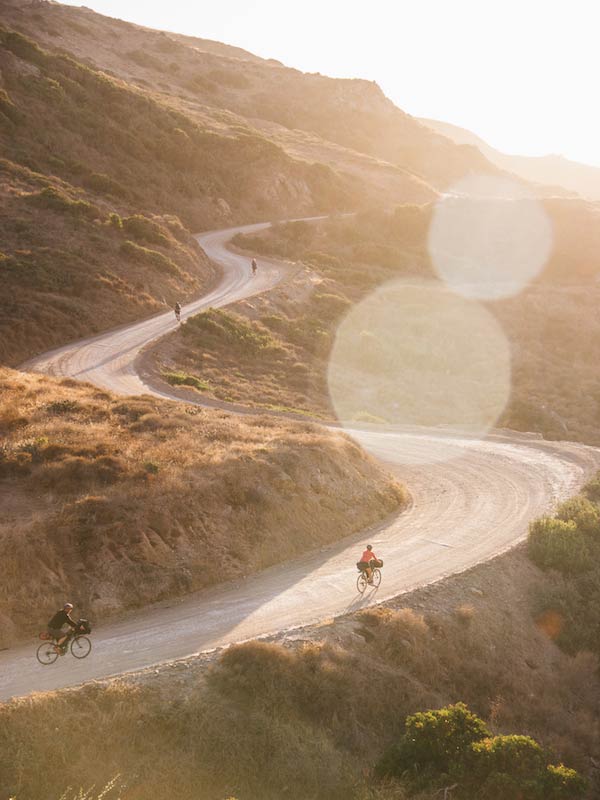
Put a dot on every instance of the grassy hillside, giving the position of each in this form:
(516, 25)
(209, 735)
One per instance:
(311, 719)
(71, 265)
(113, 501)
(220, 83)
(552, 326)
(80, 147)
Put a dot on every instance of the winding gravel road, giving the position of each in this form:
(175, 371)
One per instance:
(464, 511)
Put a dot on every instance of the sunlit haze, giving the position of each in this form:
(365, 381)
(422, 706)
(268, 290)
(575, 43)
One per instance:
(522, 75)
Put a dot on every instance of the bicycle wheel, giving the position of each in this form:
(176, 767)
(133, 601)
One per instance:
(361, 582)
(81, 646)
(376, 577)
(46, 654)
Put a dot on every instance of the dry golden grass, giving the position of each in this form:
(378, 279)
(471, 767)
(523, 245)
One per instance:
(308, 720)
(113, 502)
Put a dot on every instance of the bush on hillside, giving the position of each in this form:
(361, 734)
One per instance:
(225, 328)
(144, 255)
(145, 229)
(104, 184)
(55, 199)
(556, 544)
(183, 379)
(583, 512)
(454, 744)
(592, 489)
(434, 741)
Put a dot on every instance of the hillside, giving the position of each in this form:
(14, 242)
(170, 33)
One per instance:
(289, 715)
(226, 87)
(274, 350)
(115, 502)
(98, 202)
(557, 171)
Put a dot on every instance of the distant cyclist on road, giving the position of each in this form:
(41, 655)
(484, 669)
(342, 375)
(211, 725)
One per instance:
(58, 622)
(177, 310)
(254, 266)
(368, 561)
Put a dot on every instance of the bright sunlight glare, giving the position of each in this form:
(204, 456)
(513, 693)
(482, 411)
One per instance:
(522, 75)
(489, 237)
(417, 355)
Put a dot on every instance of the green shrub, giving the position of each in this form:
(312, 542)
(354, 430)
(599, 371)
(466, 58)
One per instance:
(583, 513)
(556, 544)
(60, 407)
(182, 379)
(562, 783)
(592, 489)
(434, 741)
(104, 184)
(116, 221)
(143, 255)
(144, 229)
(55, 199)
(517, 756)
(453, 744)
(224, 327)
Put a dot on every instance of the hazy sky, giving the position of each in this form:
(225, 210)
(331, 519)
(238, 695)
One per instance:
(523, 74)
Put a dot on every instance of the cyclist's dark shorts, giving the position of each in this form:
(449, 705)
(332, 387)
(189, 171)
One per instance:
(362, 565)
(56, 633)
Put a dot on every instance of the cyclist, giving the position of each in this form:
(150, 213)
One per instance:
(177, 310)
(254, 266)
(56, 625)
(367, 562)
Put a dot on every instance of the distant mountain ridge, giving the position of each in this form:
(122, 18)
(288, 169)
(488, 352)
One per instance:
(551, 170)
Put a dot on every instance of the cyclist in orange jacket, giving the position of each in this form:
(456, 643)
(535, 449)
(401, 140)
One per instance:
(367, 562)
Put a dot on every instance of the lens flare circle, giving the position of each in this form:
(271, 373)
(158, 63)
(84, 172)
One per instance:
(489, 237)
(416, 356)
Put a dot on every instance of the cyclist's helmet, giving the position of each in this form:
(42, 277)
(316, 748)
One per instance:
(68, 607)
(369, 547)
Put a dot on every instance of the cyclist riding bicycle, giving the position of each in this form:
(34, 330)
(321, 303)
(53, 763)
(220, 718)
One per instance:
(254, 266)
(58, 622)
(368, 562)
(177, 310)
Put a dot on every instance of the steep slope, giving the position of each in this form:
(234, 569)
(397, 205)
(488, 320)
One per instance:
(556, 171)
(353, 114)
(118, 502)
(286, 336)
(97, 179)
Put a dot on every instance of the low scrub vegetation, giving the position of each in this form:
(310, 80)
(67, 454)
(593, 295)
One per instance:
(568, 547)
(552, 326)
(391, 702)
(453, 746)
(254, 362)
(91, 198)
(68, 268)
(114, 502)
(145, 255)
